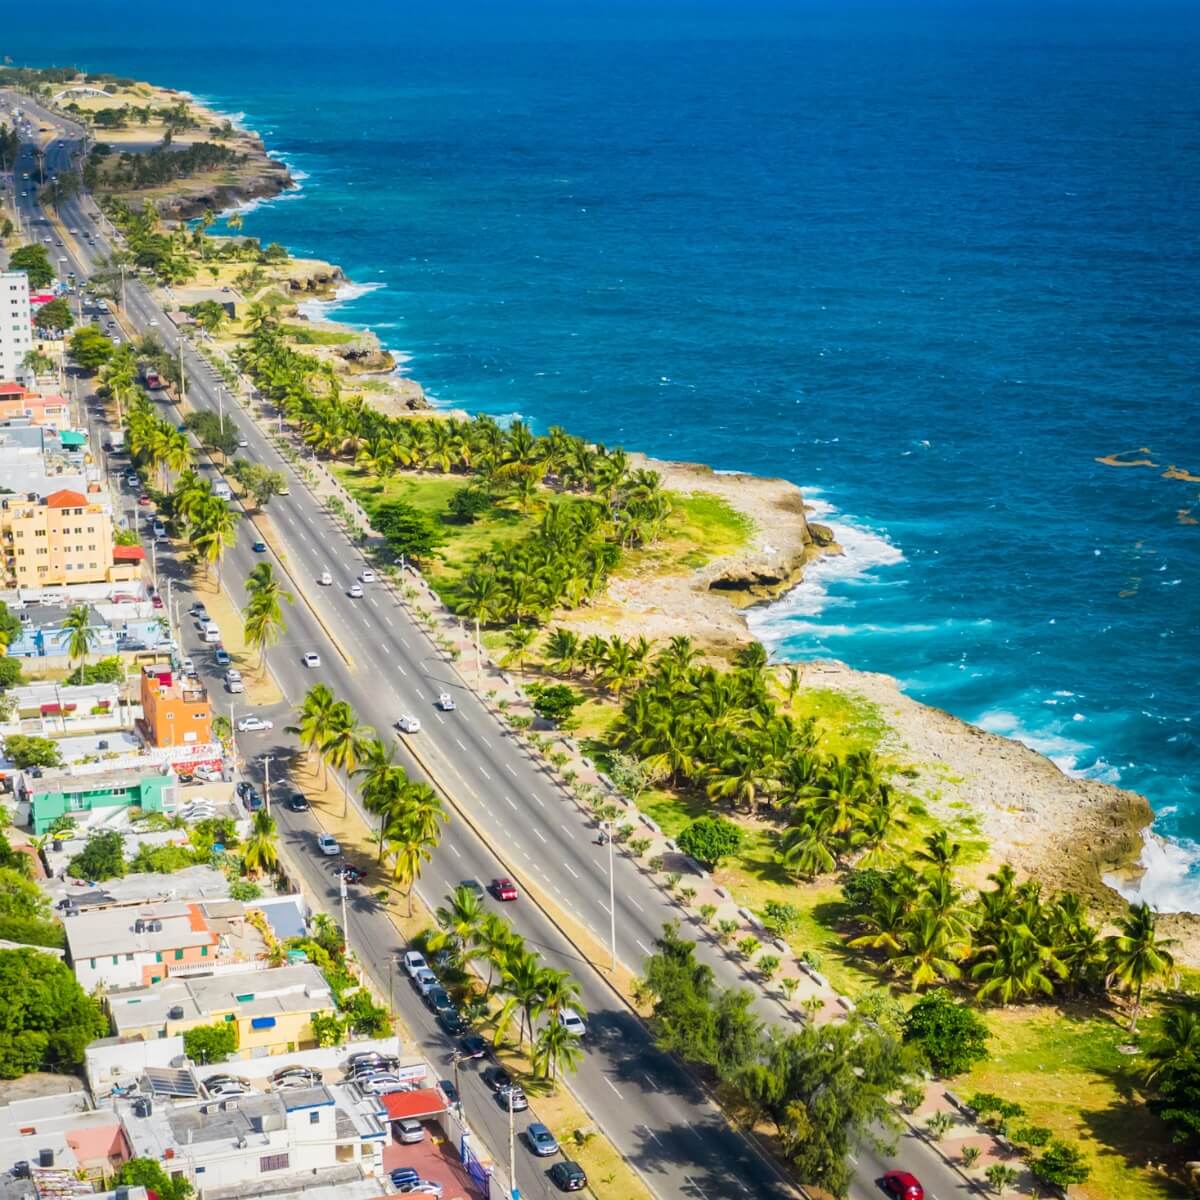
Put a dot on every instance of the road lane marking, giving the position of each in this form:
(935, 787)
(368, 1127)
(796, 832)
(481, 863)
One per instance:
(405, 644)
(453, 847)
(483, 772)
(508, 801)
(401, 670)
(439, 718)
(645, 949)
(540, 801)
(652, 1134)
(541, 836)
(510, 768)
(568, 866)
(387, 618)
(566, 831)
(460, 745)
(635, 904)
(611, 1085)
(606, 908)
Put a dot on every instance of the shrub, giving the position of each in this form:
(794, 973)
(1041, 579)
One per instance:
(780, 918)
(28, 750)
(707, 912)
(1031, 1135)
(243, 890)
(951, 1036)
(749, 946)
(103, 857)
(767, 965)
(211, 1043)
(1061, 1165)
(710, 839)
(726, 928)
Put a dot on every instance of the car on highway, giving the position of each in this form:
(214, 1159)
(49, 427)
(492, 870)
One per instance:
(328, 845)
(572, 1022)
(473, 886)
(366, 575)
(413, 961)
(903, 1185)
(254, 725)
(297, 802)
(242, 441)
(312, 659)
(245, 790)
(325, 579)
(503, 889)
(233, 675)
(568, 1176)
(408, 724)
(541, 1141)
(355, 592)
(221, 657)
(259, 547)
(445, 702)
(349, 874)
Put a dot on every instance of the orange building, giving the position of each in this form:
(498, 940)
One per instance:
(176, 710)
(16, 401)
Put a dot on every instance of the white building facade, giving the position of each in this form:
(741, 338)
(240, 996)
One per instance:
(16, 329)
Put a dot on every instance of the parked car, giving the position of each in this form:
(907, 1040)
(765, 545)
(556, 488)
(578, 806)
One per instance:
(572, 1022)
(445, 702)
(221, 657)
(199, 611)
(452, 1022)
(408, 724)
(297, 802)
(364, 1058)
(159, 530)
(448, 1090)
(512, 1099)
(382, 1084)
(497, 1078)
(226, 1085)
(473, 1046)
(253, 725)
(407, 1131)
(414, 961)
(437, 999)
(568, 1176)
(503, 889)
(208, 774)
(296, 1076)
(541, 1141)
(424, 980)
(188, 667)
(327, 844)
(903, 1185)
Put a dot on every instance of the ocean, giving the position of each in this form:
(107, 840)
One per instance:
(930, 261)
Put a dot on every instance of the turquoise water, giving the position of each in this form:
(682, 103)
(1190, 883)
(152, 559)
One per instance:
(926, 261)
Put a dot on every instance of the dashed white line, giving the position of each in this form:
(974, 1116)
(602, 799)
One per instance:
(566, 831)
(541, 836)
(374, 601)
(404, 644)
(652, 1134)
(644, 948)
(508, 801)
(439, 718)
(457, 853)
(610, 1084)
(568, 866)
(635, 904)
(459, 742)
(540, 801)
(510, 768)
(387, 618)
(483, 772)
(606, 908)
(401, 669)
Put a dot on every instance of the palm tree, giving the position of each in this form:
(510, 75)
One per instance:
(804, 850)
(940, 852)
(344, 745)
(215, 532)
(1180, 1036)
(259, 853)
(518, 640)
(479, 598)
(410, 849)
(496, 941)
(930, 951)
(263, 588)
(1016, 967)
(383, 784)
(459, 922)
(520, 984)
(80, 634)
(556, 1047)
(1137, 956)
(557, 992)
(561, 650)
(620, 666)
(317, 716)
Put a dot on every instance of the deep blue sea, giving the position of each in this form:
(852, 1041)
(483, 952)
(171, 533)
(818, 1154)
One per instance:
(929, 261)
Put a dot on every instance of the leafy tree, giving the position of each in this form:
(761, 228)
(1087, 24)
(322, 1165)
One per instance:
(28, 750)
(328, 1029)
(364, 1016)
(209, 314)
(10, 625)
(409, 531)
(211, 1043)
(468, 504)
(556, 702)
(10, 673)
(710, 839)
(54, 316)
(260, 483)
(105, 670)
(1060, 1165)
(1178, 1098)
(147, 1173)
(102, 857)
(1137, 956)
(780, 918)
(90, 348)
(952, 1037)
(46, 1018)
(212, 433)
(25, 912)
(35, 262)
(1000, 1177)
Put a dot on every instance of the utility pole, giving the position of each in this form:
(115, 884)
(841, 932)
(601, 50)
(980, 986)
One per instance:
(512, 1153)
(182, 376)
(267, 783)
(154, 561)
(345, 925)
(124, 302)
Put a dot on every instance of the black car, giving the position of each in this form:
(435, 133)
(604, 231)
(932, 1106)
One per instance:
(451, 1021)
(438, 999)
(473, 1046)
(496, 1078)
(568, 1176)
(448, 1090)
(298, 802)
(474, 886)
(245, 788)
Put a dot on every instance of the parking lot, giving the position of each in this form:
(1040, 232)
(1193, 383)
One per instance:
(436, 1161)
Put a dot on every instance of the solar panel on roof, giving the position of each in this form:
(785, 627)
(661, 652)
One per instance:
(166, 1081)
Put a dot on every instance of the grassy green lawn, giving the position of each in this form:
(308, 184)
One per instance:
(1064, 1068)
(701, 527)
(306, 335)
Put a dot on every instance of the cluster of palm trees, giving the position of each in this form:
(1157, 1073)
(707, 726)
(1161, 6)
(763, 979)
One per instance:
(148, 245)
(152, 441)
(1008, 942)
(200, 516)
(410, 812)
(260, 853)
(262, 618)
(528, 989)
(119, 379)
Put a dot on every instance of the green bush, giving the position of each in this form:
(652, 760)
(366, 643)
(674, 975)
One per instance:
(103, 857)
(951, 1036)
(710, 839)
(211, 1043)
(779, 918)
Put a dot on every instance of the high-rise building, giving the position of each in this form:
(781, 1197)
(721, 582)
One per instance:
(16, 330)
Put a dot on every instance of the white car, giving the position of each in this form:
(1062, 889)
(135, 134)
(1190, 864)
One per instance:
(414, 961)
(188, 667)
(327, 844)
(408, 724)
(253, 725)
(208, 774)
(355, 592)
(312, 659)
(366, 575)
(572, 1022)
(325, 579)
(424, 980)
(445, 702)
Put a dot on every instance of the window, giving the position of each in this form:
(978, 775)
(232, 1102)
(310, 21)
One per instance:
(203, 951)
(116, 959)
(178, 955)
(314, 1117)
(273, 1162)
(158, 956)
(93, 964)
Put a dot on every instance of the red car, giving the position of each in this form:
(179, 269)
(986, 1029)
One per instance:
(156, 602)
(903, 1185)
(504, 889)
(145, 500)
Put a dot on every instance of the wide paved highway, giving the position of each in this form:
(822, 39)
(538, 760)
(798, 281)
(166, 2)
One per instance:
(645, 1103)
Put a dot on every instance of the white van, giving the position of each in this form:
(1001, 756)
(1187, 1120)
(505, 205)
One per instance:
(221, 489)
(211, 632)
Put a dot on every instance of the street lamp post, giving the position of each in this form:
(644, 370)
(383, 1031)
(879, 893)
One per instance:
(267, 783)
(612, 906)
(512, 1152)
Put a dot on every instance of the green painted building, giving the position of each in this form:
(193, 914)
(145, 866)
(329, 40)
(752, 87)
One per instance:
(57, 793)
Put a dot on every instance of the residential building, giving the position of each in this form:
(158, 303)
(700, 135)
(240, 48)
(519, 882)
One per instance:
(44, 633)
(62, 1133)
(51, 794)
(255, 1145)
(16, 323)
(272, 1008)
(198, 883)
(175, 709)
(58, 705)
(17, 402)
(62, 538)
(142, 944)
(34, 462)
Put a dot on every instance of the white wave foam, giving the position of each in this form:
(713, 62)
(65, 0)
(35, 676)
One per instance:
(1064, 752)
(319, 310)
(1170, 880)
(864, 551)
